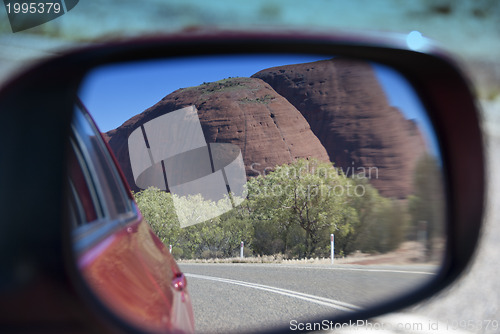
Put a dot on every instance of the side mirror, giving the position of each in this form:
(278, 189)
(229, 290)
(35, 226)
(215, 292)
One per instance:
(326, 178)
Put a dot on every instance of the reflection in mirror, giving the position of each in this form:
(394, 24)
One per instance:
(286, 187)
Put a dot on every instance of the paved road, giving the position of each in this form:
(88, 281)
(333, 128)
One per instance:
(236, 297)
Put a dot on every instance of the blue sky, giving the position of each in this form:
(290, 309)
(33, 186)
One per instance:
(115, 93)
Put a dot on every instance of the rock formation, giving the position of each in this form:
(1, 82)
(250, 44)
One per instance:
(332, 110)
(347, 109)
(246, 112)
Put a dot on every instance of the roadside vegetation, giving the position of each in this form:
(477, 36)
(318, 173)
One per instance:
(291, 212)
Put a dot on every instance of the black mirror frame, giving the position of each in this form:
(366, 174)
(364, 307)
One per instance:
(38, 104)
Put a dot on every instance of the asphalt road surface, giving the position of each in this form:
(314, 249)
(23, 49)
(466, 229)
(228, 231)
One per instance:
(242, 297)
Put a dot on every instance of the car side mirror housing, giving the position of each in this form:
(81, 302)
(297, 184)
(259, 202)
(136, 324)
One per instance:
(307, 104)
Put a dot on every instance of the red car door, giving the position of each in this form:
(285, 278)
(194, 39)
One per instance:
(121, 259)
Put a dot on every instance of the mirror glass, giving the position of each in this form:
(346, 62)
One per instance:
(286, 188)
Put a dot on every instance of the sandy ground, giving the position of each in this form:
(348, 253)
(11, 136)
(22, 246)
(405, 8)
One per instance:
(409, 252)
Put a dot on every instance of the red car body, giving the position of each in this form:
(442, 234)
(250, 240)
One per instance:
(121, 259)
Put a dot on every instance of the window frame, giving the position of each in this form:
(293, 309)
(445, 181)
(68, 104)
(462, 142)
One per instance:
(99, 172)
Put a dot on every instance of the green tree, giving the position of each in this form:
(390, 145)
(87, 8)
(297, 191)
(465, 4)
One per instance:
(309, 194)
(220, 236)
(384, 229)
(381, 222)
(427, 205)
(210, 232)
(292, 210)
(158, 210)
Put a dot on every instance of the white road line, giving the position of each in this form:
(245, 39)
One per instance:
(320, 268)
(369, 270)
(342, 306)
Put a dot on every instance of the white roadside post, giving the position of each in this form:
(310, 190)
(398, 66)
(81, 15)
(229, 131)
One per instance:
(332, 245)
(170, 249)
(241, 250)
